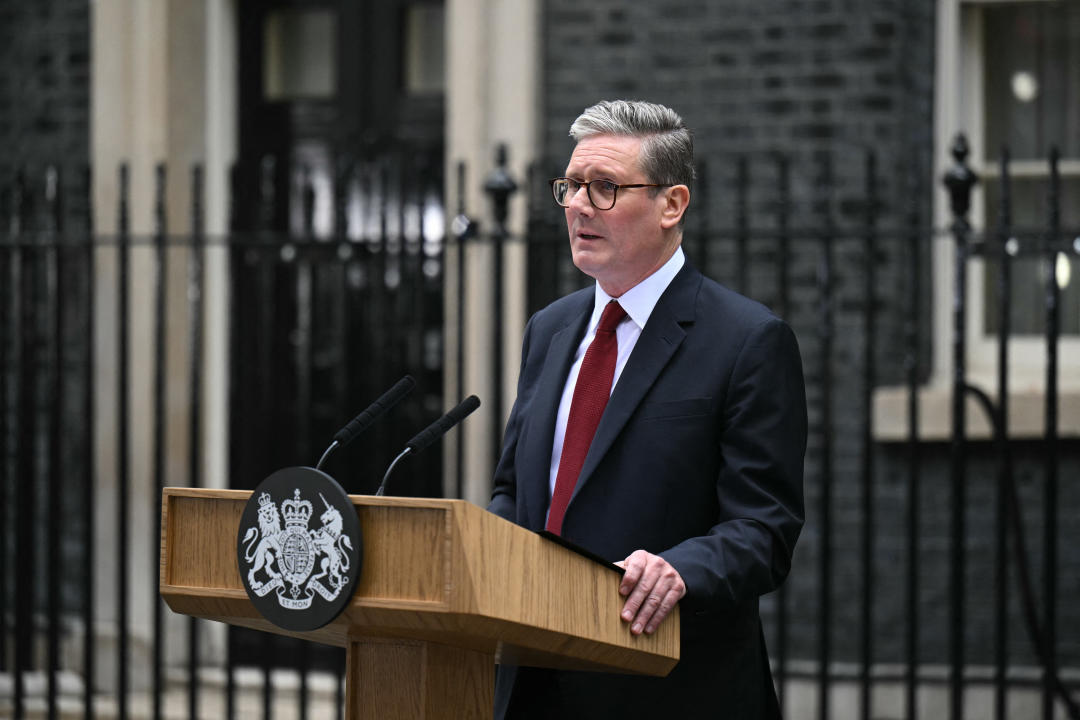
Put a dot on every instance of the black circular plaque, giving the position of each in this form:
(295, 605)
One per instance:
(299, 548)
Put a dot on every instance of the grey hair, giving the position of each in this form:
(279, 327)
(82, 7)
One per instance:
(667, 147)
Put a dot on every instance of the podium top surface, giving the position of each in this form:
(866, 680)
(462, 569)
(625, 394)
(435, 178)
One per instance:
(443, 571)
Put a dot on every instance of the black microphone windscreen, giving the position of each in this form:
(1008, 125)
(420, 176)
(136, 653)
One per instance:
(463, 410)
(364, 420)
(441, 426)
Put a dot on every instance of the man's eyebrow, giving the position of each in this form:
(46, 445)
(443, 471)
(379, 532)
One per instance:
(597, 175)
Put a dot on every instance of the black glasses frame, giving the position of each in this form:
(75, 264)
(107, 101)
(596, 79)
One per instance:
(588, 190)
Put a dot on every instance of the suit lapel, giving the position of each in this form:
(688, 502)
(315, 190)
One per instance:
(560, 356)
(659, 340)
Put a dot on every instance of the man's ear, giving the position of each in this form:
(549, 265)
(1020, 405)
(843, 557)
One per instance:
(677, 199)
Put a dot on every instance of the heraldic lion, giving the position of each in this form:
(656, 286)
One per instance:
(269, 548)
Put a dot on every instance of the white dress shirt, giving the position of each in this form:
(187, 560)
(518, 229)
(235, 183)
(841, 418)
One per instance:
(638, 302)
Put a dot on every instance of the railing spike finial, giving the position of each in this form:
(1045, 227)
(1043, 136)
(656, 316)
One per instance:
(461, 187)
(267, 192)
(123, 218)
(500, 185)
(54, 197)
(307, 184)
(52, 176)
(960, 179)
(159, 200)
(19, 202)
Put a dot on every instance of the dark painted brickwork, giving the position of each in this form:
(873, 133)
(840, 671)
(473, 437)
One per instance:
(807, 80)
(44, 97)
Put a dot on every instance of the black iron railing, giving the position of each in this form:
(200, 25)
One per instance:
(893, 576)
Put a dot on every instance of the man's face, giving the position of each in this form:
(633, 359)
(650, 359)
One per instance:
(622, 246)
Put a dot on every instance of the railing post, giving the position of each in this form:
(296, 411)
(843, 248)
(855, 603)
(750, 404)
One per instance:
(868, 466)
(464, 229)
(196, 292)
(123, 396)
(22, 293)
(783, 308)
(742, 225)
(1004, 477)
(54, 281)
(1051, 242)
(913, 447)
(826, 314)
(160, 410)
(701, 191)
(8, 258)
(89, 455)
(267, 204)
(235, 258)
(499, 187)
(959, 180)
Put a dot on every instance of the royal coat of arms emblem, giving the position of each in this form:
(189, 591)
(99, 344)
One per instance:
(283, 558)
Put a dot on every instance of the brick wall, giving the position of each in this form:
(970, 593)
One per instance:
(45, 98)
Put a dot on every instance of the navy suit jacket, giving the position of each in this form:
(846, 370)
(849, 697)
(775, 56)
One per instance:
(698, 458)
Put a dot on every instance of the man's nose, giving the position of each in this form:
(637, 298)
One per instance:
(580, 201)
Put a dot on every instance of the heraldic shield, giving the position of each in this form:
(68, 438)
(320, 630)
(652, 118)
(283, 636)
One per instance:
(299, 548)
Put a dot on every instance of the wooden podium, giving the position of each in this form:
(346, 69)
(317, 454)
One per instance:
(446, 590)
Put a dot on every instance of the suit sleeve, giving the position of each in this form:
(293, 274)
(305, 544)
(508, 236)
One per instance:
(762, 441)
(504, 491)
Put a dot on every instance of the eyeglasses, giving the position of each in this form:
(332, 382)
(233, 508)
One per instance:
(601, 192)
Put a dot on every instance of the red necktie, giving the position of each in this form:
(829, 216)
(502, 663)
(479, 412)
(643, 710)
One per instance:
(590, 398)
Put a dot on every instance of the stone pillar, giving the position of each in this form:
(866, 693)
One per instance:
(492, 98)
(162, 93)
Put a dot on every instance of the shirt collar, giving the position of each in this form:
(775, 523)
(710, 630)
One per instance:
(639, 301)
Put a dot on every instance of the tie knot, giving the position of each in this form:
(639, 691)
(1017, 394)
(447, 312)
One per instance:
(613, 315)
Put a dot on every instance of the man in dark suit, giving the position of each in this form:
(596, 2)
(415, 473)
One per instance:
(665, 433)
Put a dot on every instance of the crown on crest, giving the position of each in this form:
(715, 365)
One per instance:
(296, 511)
(264, 500)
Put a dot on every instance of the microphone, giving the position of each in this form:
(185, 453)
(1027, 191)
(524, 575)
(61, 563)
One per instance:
(363, 421)
(431, 433)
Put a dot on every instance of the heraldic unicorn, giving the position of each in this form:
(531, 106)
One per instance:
(284, 559)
